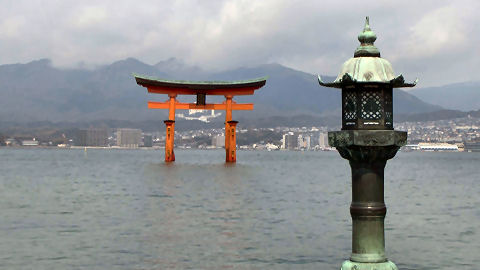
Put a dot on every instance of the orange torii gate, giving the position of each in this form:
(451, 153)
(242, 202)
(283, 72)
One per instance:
(201, 89)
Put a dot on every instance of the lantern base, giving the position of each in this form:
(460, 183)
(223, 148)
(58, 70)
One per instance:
(349, 265)
(346, 138)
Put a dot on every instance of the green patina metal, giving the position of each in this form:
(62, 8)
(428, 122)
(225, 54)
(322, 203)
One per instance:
(349, 265)
(367, 66)
(367, 152)
(347, 79)
(367, 38)
(345, 138)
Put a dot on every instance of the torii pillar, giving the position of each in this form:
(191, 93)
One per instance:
(170, 129)
(228, 118)
(232, 141)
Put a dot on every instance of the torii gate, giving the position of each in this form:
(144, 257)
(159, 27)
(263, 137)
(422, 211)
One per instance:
(201, 89)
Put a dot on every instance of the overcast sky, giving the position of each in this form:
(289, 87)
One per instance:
(436, 41)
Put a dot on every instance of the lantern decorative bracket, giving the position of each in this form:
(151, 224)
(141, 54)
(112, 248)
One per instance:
(399, 81)
(330, 84)
(347, 79)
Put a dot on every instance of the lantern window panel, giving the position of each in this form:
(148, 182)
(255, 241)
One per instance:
(350, 105)
(371, 105)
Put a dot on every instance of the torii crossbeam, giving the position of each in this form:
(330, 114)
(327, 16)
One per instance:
(201, 89)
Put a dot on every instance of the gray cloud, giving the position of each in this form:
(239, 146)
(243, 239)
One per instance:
(436, 41)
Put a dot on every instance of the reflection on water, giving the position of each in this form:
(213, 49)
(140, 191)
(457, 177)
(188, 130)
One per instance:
(125, 209)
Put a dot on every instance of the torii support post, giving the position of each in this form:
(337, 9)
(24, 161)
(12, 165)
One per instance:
(170, 129)
(228, 119)
(169, 140)
(232, 142)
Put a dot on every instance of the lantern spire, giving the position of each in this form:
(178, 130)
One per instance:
(367, 38)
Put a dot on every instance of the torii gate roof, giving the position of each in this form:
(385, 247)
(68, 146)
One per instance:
(156, 85)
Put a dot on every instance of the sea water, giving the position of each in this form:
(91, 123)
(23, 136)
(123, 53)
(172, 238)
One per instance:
(127, 209)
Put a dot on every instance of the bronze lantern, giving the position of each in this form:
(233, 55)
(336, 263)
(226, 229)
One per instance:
(367, 140)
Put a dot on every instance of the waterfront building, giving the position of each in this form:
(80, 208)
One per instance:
(129, 137)
(303, 142)
(472, 146)
(289, 141)
(300, 142)
(92, 137)
(147, 140)
(306, 142)
(271, 147)
(218, 141)
(323, 140)
(283, 141)
(30, 142)
(437, 147)
(11, 142)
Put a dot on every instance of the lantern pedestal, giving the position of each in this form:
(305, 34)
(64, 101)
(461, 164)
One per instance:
(349, 265)
(368, 152)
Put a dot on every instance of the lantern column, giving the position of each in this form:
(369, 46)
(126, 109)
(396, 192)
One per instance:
(367, 152)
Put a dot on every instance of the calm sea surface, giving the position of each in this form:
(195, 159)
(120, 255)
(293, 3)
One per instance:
(126, 209)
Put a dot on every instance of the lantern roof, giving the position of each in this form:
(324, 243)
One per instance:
(367, 66)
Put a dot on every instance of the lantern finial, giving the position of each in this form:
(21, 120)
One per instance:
(367, 37)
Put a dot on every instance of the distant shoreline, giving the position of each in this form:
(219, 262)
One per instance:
(208, 149)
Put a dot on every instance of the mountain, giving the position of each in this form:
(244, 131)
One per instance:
(37, 91)
(436, 115)
(290, 91)
(178, 70)
(459, 96)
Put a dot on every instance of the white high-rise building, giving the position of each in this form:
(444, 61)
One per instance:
(300, 143)
(288, 141)
(323, 140)
(306, 142)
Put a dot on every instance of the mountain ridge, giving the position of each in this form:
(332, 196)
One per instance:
(38, 91)
(464, 96)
